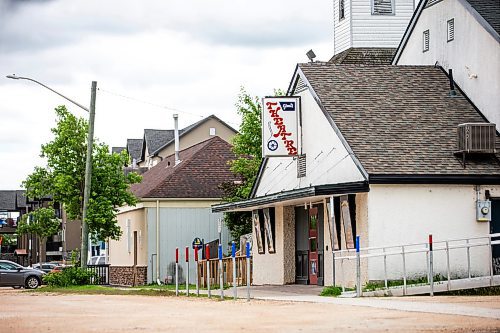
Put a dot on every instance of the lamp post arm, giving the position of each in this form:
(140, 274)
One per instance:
(55, 92)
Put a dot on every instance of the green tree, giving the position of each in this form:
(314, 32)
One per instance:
(64, 177)
(42, 222)
(247, 146)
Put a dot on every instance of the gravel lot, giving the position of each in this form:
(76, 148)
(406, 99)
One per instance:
(40, 312)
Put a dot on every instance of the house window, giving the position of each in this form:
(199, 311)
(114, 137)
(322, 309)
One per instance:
(382, 7)
(212, 131)
(426, 41)
(341, 10)
(451, 30)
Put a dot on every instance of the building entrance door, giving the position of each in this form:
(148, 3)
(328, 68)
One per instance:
(313, 246)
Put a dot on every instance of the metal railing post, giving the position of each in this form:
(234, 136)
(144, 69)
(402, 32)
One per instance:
(491, 260)
(431, 273)
(176, 271)
(187, 271)
(248, 270)
(197, 270)
(404, 269)
(468, 259)
(221, 273)
(385, 268)
(358, 269)
(233, 254)
(448, 264)
(207, 257)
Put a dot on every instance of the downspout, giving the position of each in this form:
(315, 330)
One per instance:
(158, 241)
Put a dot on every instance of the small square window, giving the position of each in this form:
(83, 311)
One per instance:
(426, 41)
(341, 10)
(382, 7)
(212, 131)
(451, 30)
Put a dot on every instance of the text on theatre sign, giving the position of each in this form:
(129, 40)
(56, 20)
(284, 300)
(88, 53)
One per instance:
(280, 126)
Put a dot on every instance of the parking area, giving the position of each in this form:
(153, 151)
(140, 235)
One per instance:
(42, 312)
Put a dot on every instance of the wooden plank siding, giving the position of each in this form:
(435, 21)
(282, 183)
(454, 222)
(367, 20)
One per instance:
(379, 30)
(342, 28)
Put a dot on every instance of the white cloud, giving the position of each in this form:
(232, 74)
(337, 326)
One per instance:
(189, 55)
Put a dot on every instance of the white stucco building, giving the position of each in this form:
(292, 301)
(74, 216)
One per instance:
(381, 141)
(462, 35)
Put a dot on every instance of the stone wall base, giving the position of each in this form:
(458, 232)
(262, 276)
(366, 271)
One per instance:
(124, 275)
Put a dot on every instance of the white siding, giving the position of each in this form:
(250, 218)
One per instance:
(342, 28)
(406, 214)
(474, 54)
(328, 162)
(379, 30)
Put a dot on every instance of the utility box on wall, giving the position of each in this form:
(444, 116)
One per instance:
(483, 210)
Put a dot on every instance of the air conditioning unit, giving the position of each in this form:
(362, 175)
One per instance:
(476, 138)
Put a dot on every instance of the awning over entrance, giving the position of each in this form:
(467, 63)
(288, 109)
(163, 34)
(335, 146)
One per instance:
(292, 197)
(21, 252)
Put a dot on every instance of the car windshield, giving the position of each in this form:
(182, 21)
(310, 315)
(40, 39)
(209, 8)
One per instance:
(9, 266)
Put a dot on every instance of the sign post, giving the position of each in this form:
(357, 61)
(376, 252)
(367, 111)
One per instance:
(358, 269)
(233, 254)
(207, 256)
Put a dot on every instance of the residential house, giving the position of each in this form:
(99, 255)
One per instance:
(379, 146)
(174, 208)
(158, 144)
(462, 35)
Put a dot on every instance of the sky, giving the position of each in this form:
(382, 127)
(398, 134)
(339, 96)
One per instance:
(150, 59)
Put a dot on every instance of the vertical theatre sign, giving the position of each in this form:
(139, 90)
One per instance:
(280, 126)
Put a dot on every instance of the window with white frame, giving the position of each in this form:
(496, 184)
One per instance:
(383, 7)
(451, 30)
(425, 46)
(341, 10)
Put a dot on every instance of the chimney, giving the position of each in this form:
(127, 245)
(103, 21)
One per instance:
(176, 137)
(452, 83)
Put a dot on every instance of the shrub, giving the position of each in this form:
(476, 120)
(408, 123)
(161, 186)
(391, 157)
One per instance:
(70, 276)
(331, 291)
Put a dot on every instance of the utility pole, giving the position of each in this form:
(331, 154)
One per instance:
(88, 178)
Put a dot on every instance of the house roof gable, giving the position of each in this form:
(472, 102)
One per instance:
(134, 148)
(203, 168)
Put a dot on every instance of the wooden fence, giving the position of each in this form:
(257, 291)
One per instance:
(227, 264)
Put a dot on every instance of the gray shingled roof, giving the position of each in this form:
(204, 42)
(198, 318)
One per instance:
(398, 119)
(156, 138)
(365, 55)
(8, 200)
(134, 148)
(21, 201)
(489, 10)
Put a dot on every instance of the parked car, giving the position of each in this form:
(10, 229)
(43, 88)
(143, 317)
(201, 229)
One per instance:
(17, 276)
(46, 266)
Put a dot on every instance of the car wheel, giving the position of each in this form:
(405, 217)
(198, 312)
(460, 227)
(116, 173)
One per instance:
(16, 287)
(32, 282)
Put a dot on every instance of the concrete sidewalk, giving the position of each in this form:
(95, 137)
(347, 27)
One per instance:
(436, 305)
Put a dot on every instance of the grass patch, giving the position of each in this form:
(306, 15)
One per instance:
(192, 287)
(101, 290)
(376, 285)
(331, 291)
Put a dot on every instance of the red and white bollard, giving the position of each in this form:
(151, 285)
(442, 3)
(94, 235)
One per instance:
(176, 271)
(207, 256)
(187, 271)
(197, 270)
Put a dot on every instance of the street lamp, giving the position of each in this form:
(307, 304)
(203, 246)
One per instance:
(88, 163)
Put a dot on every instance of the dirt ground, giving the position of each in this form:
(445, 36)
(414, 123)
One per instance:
(40, 312)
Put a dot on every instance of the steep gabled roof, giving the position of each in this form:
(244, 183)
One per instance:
(203, 168)
(398, 120)
(486, 12)
(365, 55)
(155, 138)
(134, 148)
(489, 10)
(188, 129)
(8, 200)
